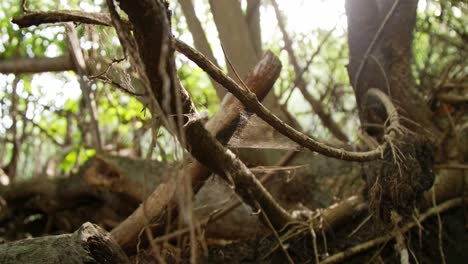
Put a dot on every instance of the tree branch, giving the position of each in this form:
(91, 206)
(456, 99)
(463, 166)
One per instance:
(35, 65)
(339, 257)
(38, 18)
(252, 103)
(246, 97)
(152, 35)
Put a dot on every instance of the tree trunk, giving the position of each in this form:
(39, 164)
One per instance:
(380, 34)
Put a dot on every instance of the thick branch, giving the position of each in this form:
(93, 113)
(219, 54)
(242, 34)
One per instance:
(89, 244)
(150, 53)
(200, 143)
(34, 65)
(38, 18)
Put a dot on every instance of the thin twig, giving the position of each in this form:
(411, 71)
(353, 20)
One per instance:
(253, 104)
(23, 6)
(246, 97)
(314, 243)
(452, 166)
(220, 213)
(360, 225)
(275, 233)
(338, 257)
(439, 226)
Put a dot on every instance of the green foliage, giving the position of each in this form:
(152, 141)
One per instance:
(199, 87)
(79, 156)
(52, 117)
(439, 41)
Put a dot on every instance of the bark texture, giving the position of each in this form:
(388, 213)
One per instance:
(380, 34)
(156, 53)
(89, 244)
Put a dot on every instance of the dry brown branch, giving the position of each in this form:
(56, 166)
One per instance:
(199, 142)
(246, 97)
(341, 256)
(253, 104)
(38, 18)
(89, 244)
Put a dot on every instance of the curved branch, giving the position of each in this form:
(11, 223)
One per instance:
(253, 104)
(200, 143)
(246, 97)
(388, 105)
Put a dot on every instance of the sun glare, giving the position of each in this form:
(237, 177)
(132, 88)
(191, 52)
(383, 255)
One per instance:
(304, 16)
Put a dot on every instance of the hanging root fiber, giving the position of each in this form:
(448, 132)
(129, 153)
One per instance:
(397, 181)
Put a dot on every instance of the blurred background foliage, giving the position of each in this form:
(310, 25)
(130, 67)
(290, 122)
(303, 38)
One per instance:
(48, 113)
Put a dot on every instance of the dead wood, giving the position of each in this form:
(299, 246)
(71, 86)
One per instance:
(88, 244)
(125, 175)
(150, 55)
(254, 105)
(44, 206)
(222, 125)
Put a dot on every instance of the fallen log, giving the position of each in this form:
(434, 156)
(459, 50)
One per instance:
(89, 244)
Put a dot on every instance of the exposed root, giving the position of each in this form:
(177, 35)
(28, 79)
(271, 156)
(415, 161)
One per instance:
(439, 225)
(314, 243)
(279, 240)
(398, 181)
(339, 257)
(400, 245)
